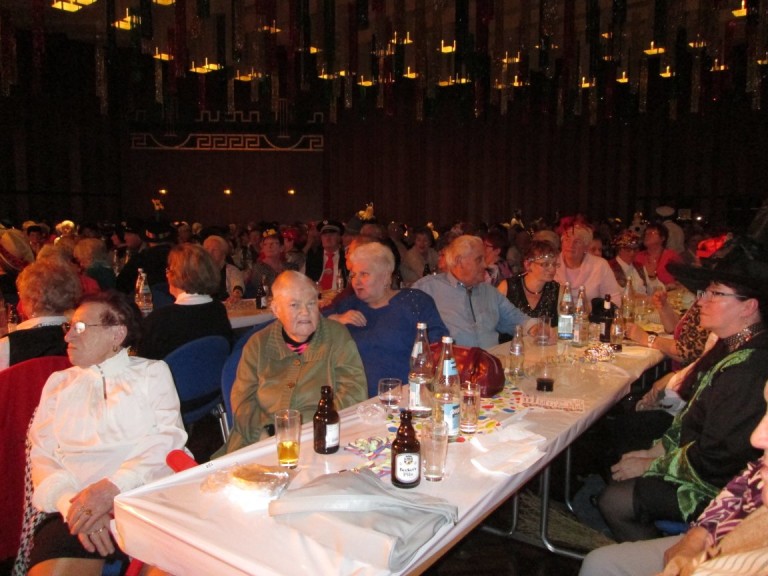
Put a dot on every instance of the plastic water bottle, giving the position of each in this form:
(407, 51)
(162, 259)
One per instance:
(143, 294)
(447, 391)
(420, 375)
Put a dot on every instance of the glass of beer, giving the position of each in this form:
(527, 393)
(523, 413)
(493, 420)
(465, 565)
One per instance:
(288, 436)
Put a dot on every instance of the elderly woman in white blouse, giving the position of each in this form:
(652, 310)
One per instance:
(102, 427)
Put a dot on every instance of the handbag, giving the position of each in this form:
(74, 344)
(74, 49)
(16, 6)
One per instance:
(476, 365)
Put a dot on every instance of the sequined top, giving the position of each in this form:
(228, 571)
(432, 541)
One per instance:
(547, 303)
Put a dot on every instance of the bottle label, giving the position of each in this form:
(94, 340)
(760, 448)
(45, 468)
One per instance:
(565, 327)
(451, 416)
(407, 467)
(332, 435)
(449, 367)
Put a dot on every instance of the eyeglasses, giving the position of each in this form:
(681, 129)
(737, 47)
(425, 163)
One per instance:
(79, 327)
(546, 265)
(712, 294)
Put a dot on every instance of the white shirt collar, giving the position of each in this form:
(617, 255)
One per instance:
(41, 321)
(186, 299)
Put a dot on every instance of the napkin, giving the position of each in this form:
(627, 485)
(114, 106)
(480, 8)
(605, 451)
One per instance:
(511, 451)
(387, 525)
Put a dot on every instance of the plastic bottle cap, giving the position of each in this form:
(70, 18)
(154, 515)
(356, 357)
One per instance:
(447, 340)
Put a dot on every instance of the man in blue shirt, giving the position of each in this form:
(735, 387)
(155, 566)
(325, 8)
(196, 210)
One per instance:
(474, 311)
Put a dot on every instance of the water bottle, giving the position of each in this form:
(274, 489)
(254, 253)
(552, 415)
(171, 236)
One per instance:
(447, 391)
(628, 302)
(143, 294)
(516, 358)
(565, 318)
(580, 321)
(420, 375)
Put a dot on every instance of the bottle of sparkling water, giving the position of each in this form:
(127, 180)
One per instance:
(565, 318)
(580, 321)
(420, 375)
(516, 358)
(447, 391)
(143, 294)
(628, 302)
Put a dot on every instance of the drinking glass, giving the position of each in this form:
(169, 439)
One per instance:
(390, 393)
(287, 436)
(542, 331)
(470, 405)
(434, 449)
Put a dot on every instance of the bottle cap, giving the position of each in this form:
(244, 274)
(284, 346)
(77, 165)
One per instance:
(421, 325)
(447, 340)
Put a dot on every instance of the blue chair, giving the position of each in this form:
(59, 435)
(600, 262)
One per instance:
(196, 368)
(228, 374)
(671, 527)
(161, 296)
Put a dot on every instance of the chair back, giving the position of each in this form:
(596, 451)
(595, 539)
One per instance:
(228, 374)
(20, 389)
(161, 296)
(196, 369)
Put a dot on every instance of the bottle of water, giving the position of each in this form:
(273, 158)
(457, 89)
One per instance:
(420, 375)
(447, 390)
(580, 323)
(516, 358)
(143, 294)
(628, 302)
(565, 318)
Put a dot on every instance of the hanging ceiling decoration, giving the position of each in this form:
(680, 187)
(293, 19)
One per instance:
(496, 49)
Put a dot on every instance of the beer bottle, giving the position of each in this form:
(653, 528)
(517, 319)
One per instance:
(261, 294)
(406, 454)
(606, 319)
(326, 423)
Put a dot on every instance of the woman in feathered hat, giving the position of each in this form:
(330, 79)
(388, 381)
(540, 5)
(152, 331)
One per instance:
(708, 441)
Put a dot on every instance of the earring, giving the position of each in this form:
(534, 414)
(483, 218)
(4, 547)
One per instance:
(115, 347)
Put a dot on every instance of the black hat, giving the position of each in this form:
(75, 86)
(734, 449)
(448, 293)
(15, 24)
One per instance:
(132, 225)
(159, 232)
(742, 261)
(330, 226)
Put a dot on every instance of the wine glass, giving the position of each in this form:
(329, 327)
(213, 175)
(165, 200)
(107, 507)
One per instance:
(390, 393)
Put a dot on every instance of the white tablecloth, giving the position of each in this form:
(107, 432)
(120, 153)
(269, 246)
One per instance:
(245, 314)
(176, 526)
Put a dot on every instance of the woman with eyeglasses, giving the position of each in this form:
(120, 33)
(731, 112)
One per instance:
(535, 292)
(48, 291)
(708, 440)
(102, 427)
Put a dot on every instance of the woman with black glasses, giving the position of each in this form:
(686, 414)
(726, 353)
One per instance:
(102, 427)
(535, 292)
(708, 441)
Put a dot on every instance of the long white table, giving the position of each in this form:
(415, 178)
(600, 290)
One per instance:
(245, 314)
(174, 525)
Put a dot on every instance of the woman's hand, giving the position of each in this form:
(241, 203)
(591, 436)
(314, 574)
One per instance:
(659, 299)
(631, 465)
(90, 505)
(352, 317)
(98, 538)
(635, 333)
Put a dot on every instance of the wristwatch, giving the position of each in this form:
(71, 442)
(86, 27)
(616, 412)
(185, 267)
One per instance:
(651, 340)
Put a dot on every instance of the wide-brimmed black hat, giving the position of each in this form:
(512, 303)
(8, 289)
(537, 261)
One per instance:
(742, 261)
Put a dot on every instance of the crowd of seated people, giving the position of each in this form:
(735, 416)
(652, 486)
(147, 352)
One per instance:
(464, 287)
